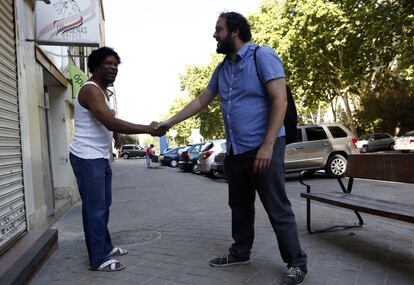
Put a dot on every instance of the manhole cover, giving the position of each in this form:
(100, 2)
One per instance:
(135, 237)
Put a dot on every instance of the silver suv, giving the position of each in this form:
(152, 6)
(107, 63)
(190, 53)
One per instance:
(321, 146)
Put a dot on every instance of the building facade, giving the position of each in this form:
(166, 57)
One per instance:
(36, 123)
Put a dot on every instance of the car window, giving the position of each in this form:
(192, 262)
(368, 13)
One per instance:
(409, 133)
(127, 147)
(382, 136)
(365, 137)
(300, 137)
(208, 147)
(186, 148)
(337, 132)
(315, 133)
(194, 149)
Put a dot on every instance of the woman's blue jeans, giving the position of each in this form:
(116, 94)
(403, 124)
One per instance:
(94, 178)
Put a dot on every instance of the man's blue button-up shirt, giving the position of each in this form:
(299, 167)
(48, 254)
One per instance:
(245, 103)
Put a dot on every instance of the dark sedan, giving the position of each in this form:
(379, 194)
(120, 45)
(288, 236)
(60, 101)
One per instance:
(189, 156)
(171, 157)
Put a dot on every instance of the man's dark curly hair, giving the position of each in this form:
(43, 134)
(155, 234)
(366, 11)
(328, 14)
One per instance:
(99, 55)
(236, 21)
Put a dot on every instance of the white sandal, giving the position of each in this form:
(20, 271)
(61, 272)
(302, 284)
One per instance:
(117, 251)
(110, 266)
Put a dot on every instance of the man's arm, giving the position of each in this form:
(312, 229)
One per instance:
(276, 89)
(92, 99)
(194, 107)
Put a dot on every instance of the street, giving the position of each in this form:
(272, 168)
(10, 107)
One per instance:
(173, 222)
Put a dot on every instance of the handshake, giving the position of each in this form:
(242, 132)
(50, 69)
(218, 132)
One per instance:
(158, 129)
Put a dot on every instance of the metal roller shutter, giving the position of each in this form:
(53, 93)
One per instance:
(12, 210)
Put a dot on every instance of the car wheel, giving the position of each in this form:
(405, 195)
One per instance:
(392, 146)
(364, 149)
(125, 156)
(196, 170)
(213, 174)
(173, 163)
(336, 166)
(217, 174)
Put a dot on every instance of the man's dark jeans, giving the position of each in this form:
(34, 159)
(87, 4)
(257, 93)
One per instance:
(270, 185)
(94, 178)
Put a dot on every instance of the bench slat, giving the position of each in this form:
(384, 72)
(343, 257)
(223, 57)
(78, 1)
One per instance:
(368, 205)
(397, 167)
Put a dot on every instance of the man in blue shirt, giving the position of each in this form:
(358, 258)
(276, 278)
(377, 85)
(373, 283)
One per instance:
(253, 114)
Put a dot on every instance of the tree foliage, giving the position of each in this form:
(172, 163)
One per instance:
(194, 82)
(358, 52)
(209, 121)
(128, 139)
(183, 129)
(339, 49)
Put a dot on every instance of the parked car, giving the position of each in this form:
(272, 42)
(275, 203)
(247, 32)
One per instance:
(217, 166)
(319, 147)
(132, 150)
(405, 143)
(189, 156)
(171, 157)
(373, 142)
(207, 154)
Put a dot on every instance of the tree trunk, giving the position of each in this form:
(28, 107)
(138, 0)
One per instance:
(344, 94)
(349, 113)
(333, 107)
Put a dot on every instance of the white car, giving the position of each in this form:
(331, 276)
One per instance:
(207, 154)
(405, 143)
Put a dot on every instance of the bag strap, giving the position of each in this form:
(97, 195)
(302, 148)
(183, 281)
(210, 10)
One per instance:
(255, 65)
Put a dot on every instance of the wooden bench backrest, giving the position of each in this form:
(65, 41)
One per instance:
(398, 167)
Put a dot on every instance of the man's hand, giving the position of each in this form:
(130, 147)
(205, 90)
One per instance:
(164, 125)
(155, 131)
(263, 158)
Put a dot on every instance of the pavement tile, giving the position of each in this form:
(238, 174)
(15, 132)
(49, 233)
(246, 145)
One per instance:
(191, 216)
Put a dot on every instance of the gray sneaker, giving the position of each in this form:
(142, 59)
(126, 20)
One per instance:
(295, 276)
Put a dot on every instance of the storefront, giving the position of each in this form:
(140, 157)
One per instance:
(12, 206)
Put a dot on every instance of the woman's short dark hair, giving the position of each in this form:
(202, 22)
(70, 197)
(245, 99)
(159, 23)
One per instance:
(99, 55)
(236, 21)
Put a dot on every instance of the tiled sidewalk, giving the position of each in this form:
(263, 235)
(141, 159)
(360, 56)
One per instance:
(172, 223)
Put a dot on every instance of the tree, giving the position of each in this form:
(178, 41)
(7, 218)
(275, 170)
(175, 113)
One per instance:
(332, 50)
(128, 139)
(194, 81)
(388, 106)
(183, 129)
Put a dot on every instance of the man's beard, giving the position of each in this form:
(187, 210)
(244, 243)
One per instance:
(226, 46)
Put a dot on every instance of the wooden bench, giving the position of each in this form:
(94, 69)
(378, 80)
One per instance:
(396, 167)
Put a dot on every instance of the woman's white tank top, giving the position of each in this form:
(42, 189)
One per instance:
(92, 139)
